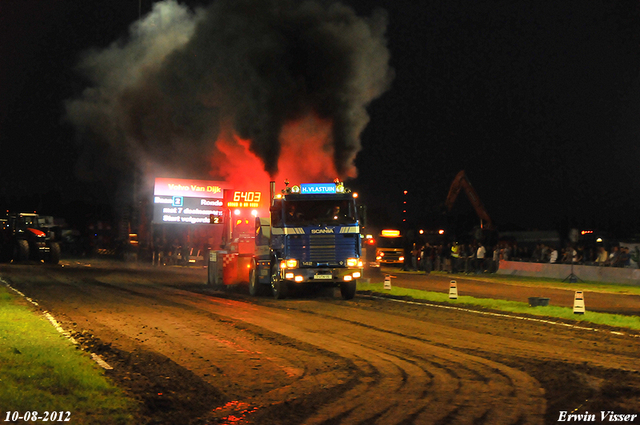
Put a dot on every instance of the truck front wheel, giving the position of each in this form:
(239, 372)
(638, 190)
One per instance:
(278, 287)
(54, 253)
(348, 290)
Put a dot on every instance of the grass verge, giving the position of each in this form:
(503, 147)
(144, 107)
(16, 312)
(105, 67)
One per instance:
(615, 320)
(42, 371)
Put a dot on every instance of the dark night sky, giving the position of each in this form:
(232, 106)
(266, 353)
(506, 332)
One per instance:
(538, 101)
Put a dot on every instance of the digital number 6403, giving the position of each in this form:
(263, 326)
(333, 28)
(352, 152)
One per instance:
(34, 416)
(246, 196)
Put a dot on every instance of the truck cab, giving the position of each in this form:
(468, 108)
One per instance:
(313, 238)
(390, 248)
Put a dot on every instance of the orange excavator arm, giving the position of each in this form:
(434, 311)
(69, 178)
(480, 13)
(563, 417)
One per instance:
(462, 182)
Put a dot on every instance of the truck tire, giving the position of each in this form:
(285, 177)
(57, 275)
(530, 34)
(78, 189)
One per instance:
(54, 253)
(278, 287)
(348, 290)
(21, 250)
(255, 287)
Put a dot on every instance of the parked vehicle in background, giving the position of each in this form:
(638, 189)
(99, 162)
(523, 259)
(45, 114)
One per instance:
(22, 238)
(390, 248)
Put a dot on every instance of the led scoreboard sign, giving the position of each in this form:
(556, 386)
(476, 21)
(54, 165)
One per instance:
(187, 201)
(242, 199)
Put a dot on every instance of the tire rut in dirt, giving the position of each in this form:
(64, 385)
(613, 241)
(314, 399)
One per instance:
(405, 379)
(449, 387)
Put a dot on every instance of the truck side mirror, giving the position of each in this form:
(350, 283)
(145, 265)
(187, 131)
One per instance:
(362, 214)
(276, 219)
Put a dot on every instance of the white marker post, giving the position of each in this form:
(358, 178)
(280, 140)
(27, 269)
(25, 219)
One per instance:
(453, 290)
(578, 303)
(387, 282)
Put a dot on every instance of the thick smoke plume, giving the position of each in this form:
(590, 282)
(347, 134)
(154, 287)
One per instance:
(243, 87)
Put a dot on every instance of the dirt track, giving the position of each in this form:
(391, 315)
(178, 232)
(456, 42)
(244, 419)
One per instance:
(194, 355)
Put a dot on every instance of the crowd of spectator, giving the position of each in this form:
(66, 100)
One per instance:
(454, 258)
(594, 256)
(476, 258)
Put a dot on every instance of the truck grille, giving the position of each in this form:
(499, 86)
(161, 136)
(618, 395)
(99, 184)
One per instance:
(323, 249)
(391, 256)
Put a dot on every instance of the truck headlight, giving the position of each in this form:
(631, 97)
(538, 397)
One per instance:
(292, 263)
(289, 264)
(352, 262)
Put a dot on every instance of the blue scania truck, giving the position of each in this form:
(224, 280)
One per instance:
(312, 237)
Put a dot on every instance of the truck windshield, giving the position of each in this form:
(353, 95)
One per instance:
(389, 242)
(22, 222)
(311, 212)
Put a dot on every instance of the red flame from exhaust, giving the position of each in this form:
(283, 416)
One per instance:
(306, 156)
(236, 164)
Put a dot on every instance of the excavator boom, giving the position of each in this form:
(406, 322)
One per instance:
(462, 182)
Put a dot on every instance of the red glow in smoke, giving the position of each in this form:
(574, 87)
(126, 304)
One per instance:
(234, 163)
(306, 156)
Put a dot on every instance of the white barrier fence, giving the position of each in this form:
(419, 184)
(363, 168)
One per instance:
(628, 276)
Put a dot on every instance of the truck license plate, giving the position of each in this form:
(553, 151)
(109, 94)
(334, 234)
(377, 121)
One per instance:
(323, 276)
